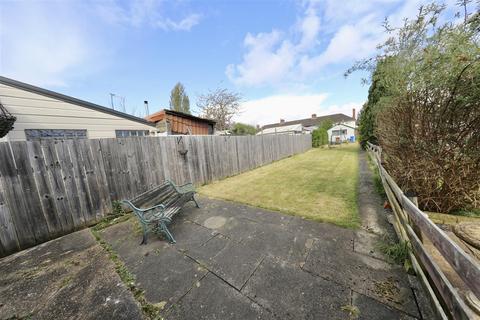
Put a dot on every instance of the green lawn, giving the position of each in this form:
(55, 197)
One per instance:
(320, 184)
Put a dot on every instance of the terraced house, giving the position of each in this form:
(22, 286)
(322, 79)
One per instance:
(309, 124)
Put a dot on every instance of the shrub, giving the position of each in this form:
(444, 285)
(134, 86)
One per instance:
(320, 135)
(242, 129)
(427, 115)
(117, 209)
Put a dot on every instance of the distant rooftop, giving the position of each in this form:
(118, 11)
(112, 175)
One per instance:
(312, 121)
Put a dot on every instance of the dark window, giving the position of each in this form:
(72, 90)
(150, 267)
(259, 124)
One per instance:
(131, 133)
(210, 129)
(55, 134)
(339, 132)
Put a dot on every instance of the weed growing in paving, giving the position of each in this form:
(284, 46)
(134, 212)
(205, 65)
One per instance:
(150, 311)
(117, 215)
(397, 252)
(377, 180)
(353, 311)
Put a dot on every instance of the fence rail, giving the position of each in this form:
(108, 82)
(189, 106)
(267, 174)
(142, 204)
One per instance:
(411, 224)
(51, 188)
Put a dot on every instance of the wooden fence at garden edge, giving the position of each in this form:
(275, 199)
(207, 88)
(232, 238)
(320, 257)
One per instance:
(411, 224)
(52, 188)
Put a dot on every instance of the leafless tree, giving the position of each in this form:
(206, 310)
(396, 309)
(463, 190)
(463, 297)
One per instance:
(219, 105)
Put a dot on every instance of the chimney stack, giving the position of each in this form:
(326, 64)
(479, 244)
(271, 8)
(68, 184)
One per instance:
(282, 121)
(314, 116)
(145, 103)
(353, 114)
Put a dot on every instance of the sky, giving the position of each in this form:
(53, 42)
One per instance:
(286, 58)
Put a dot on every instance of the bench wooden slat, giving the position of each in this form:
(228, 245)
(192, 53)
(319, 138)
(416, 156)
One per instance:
(157, 199)
(176, 206)
(148, 195)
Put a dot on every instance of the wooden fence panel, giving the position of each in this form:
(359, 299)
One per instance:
(51, 188)
(410, 217)
(8, 234)
(14, 199)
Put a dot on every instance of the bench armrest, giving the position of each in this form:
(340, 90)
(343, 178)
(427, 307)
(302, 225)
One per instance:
(154, 207)
(186, 184)
(141, 209)
(184, 188)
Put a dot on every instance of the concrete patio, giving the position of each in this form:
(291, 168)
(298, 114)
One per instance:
(230, 262)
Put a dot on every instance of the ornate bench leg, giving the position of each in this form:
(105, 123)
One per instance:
(164, 229)
(195, 200)
(144, 240)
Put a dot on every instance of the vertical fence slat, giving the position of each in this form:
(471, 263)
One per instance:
(8, 234)
(72, 194)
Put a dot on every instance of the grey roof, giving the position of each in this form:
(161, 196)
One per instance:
(189, 116)
(345, 125)
(310, 122)
(72, 100)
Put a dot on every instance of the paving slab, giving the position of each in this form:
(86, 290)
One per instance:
(68, 278)
(375, 278)
(232, 209)
(166, 276)
(214, 299)
(208, 208)
(368, 243)
(276, 242)
(324, 231)
(291, 293)
(125, 239)
(160, 269)
(370, 309)
(236, 228)
(189, 235)
(230, 260)
(423, 302)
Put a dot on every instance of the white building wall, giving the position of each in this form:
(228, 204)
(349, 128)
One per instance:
(34, 111)
(350, 132)
(350, 124)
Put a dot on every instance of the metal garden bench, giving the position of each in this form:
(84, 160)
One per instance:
(155, 208)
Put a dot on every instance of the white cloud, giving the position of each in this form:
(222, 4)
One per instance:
(289, 107)
(267, 59)
(40, 50)
(309, 28)
(350, 43)
(185, 24)
(327, 33)
(348, 10)
(138, 13)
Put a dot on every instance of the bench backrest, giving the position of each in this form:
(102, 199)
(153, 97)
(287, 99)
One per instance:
(161, 194)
